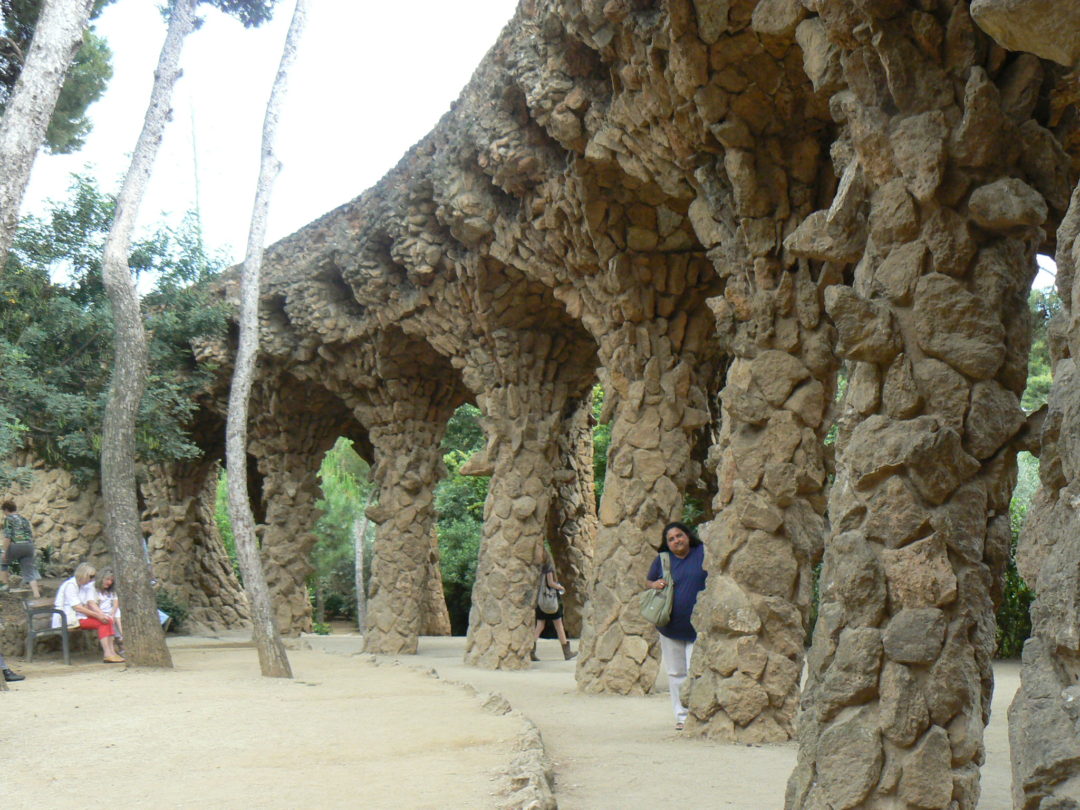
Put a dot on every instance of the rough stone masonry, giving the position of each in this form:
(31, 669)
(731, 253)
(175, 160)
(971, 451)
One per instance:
(715, 209)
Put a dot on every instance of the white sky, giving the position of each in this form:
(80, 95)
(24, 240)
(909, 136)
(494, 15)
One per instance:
(370, 80)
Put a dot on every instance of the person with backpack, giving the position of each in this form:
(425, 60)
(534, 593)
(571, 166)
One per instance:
(549, 608)
(18, 546)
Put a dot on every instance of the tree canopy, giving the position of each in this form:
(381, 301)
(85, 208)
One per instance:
(55, 336)
(1044, 305)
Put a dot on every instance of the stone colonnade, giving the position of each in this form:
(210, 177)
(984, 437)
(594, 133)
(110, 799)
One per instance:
(1042, 719)
(650, 193)
(657, 406)
(522, 408)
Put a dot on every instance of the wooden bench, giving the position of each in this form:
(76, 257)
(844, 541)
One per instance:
(39, 615)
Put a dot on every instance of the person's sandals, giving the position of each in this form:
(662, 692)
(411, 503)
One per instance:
(678, 726)
(113, 659)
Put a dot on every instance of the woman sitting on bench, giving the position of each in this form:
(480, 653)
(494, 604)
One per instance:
(76, 598)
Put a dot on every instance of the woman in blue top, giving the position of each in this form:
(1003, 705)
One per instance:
(678, 635)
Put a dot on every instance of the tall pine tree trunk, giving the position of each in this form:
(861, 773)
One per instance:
(360, 528)
(145, 640)
(272, 658)
(57, 37)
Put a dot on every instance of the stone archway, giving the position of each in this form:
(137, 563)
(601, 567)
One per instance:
(702, 185)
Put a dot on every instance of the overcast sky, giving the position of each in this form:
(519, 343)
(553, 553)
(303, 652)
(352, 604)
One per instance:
(370, 80)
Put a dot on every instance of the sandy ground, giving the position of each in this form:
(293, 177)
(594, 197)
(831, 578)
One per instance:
(620, 752)
(348, 733)
(213, 733)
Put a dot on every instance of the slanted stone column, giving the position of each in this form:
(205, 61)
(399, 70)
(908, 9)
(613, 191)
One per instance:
(435, 617)
(768, 457)
(1043, 717)
(769, 529)
(405, 428)
(293, 425)
(656, 407)
(936, 334)
(290, 489)
(574, 512)
(520, 420)
(186, 553)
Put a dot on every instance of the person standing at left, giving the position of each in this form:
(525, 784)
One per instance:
(18, 543)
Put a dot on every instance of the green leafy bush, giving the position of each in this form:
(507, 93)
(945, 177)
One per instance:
(56, 337)
(177, 610)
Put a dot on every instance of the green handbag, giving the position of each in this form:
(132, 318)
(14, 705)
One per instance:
(656, 604)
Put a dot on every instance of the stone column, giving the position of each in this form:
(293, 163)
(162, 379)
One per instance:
(1043, 717)
(408, 465)
(769, 529)
(657, 405)
(435, 618)
(574, 512)
(290, 489)
(187, 555)
(768, 456)
(520, 420)
(293, 425)
(935, 330)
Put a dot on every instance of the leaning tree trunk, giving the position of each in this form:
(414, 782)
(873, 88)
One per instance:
(272, 658)
(57, 38)
(123, 529)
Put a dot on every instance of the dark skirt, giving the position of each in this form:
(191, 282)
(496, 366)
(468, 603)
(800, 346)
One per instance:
(547, 617)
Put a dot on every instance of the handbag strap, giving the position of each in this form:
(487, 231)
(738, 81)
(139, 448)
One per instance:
(665, 567)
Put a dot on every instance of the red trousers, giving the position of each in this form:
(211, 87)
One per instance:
(104, 629)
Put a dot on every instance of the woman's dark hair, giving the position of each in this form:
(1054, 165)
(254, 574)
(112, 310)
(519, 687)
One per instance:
(676, 524)
(9, 506)
(105, 575)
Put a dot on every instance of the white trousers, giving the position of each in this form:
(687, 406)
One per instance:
(677, 664)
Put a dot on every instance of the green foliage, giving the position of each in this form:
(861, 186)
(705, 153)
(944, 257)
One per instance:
(1044, 305)
(167, 602)
(345, 486)
(1013, 616)
(320, 628)
(224, 522)
(251, 13)
(463, 431)
(692, 511)
(459, 500)
(601, 442)
(86, 80)
(56, 339)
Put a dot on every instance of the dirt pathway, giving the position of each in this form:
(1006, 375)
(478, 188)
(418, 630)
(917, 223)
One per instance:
(619, 753)
(347, 733)
(213, 733)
